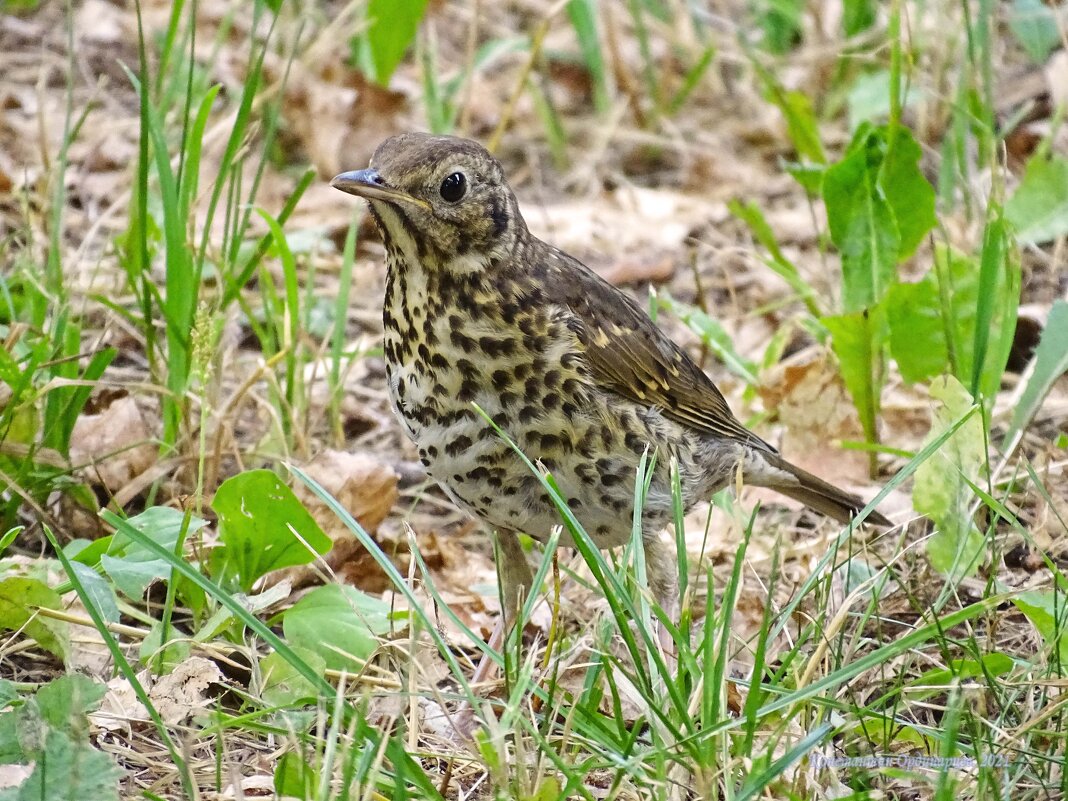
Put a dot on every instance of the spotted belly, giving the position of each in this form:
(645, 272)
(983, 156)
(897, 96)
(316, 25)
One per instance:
(591, 445)
(522, 369)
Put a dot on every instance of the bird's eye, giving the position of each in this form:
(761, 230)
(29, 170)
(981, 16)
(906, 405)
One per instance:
(454, 187)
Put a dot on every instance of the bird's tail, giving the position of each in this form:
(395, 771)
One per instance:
(816, 493)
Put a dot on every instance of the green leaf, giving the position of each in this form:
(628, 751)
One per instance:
(801, 124)
(942, 489)
(992, 664)
(100, 593)
(998, 300)
(1048, 612)
(909, 194)
(861, 223)
(933, 321)
(869, 98)
(65, 701)
(283, 684)
(857, 16)
(67, 770)
(879, 208)
(1038, 210)
(338, 622)
(393, 25)
(583, 16)
(19, 599)
(264, 527)
(131, 565)
(917, 330)
(857, 340)
(294, 777)
(11, 752)
(1051, 362)
(1034, 24)
(781, 23)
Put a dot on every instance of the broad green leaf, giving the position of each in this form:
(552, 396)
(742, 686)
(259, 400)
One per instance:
(294, 777)
(338, 622)
(101, 594)
(909, 194)
(857, 340)
(1038, 210)
(942, 490)
(393, 25)
(1034, 24)
(857, 16)
(1048, 612)
(808, 176)
(69, 770)
(781, 23)
(933, 321)
(879, 208)
(131, 565)
(861, 223)
(11, 752)
(917, 330)
(869, 98)
(264, 527)
(283, 684)
(1051, 362)
(65, 701)
(19, 599)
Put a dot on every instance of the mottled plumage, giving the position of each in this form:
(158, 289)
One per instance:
(479, 310)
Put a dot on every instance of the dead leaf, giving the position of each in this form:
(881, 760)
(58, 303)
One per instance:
(113, 446)
(639, 222)
(182, 692)
(14, 775)
(362, 484)
(816, 411)
(639, 271)
(100, 22)
(339, 117)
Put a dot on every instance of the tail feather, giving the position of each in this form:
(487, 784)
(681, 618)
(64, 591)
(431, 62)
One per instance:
(817, 494)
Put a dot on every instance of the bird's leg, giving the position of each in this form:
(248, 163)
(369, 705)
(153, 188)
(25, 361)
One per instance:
(516, 578)
(516, 582)
(662, 573)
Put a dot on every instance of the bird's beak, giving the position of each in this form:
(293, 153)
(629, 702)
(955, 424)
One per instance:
(369, 184)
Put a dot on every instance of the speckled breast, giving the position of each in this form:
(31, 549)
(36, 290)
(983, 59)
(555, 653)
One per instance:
(453, 342)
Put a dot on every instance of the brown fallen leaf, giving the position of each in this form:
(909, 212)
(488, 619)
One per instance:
(176, 696)
(639, 271)
(362, 484)
(113, 446)
(817, 411)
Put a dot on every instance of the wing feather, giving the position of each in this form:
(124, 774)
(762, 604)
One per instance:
(629, 355)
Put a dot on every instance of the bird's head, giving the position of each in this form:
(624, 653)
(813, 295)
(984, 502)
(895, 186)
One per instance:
(439, 200)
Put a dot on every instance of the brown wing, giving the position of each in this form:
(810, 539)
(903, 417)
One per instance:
(631, 356)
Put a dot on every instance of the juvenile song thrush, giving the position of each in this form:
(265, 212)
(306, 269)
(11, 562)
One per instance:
(478, 309)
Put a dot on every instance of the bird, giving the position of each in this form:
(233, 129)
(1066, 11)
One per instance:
(479, 312)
